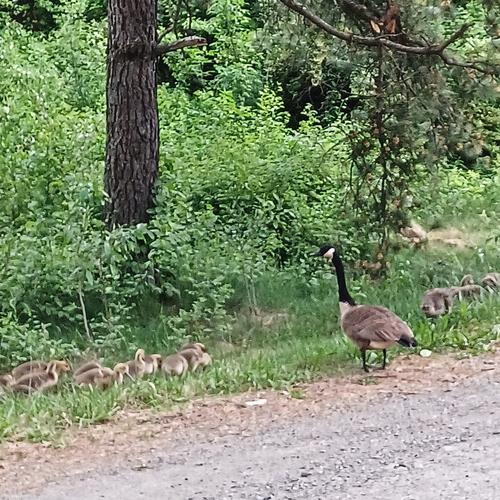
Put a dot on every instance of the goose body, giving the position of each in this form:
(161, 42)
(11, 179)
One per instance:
(137, 367)
(204, 359)
(29, 367)
(89, 365)
(152, 363)
(438, 301)
(192, 356)
(368, 326)
(468, 288)
(103, 377)
(41, 380)
(375, 327)
(93, 376)
(174, 365)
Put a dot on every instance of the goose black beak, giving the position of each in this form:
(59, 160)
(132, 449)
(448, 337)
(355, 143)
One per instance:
(315, 254)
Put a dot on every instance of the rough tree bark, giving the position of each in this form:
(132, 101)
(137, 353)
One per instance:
(132, 144)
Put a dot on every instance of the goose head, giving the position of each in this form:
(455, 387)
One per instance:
(468, 279)
(326, 251)
(58, 366)
(6, 380)
(156, 358)
(120, 370)
(139, 356)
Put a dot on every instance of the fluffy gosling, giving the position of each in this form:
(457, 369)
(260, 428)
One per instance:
(41, 380)
(174, 365)
(137, 367)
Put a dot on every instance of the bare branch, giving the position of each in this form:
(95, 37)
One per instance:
(453, 38)
(414, 47)
(182, 43)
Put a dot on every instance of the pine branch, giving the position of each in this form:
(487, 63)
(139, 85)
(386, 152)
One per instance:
(182, 43)
(413, 47)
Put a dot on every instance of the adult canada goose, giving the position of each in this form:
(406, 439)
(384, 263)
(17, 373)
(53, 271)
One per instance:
(491, 281)
(41, 380)
(175, 364)
(368, 326)
(137, 366)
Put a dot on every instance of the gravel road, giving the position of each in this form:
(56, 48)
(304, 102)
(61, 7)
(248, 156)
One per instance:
(444, 444)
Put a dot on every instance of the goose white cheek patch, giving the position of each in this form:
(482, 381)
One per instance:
(329, 255)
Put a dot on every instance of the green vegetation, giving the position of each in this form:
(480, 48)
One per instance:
(253, 175)
(301, 346)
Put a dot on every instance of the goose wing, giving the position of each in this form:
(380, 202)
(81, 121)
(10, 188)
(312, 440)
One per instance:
(375, 326)
(34, 381)
(89, 365)
(28, 368)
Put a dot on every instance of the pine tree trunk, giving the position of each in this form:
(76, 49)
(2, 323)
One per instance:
(132, 112)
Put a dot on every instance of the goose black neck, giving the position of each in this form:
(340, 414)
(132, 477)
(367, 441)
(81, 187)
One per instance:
(344, 295)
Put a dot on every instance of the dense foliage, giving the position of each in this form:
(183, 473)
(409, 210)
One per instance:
(267, 148)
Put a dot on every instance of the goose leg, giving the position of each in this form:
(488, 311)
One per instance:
(385, 358)
(363, 357)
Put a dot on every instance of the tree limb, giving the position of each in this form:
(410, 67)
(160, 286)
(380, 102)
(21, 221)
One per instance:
(417, 48)
(182, 43)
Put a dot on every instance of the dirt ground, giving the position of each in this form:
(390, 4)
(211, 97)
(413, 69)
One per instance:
(424, 428)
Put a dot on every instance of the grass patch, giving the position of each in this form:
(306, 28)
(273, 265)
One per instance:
(299, 341)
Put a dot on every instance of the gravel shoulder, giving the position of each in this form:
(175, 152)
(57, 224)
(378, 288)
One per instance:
(424, 428)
